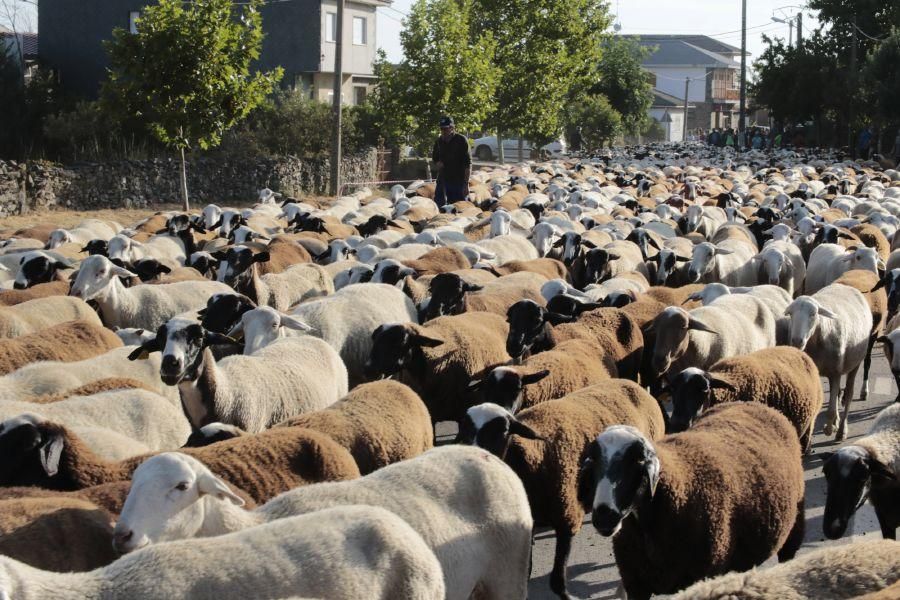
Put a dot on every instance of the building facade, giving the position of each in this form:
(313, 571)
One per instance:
(711, 68)
(300, 38)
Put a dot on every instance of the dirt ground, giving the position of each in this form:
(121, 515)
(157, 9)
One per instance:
(70, 218)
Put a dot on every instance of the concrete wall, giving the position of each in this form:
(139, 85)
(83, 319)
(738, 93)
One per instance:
(125, 184)
(675, 129)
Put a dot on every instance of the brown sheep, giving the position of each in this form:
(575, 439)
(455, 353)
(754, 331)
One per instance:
(439, 260)
(40, 313)
(872, 236)
(56, 534)
(41, 290)
(94, 387)
(567, 368)
(870, 286)
(417, 289)
(67, 342)
(722, 496)
(783, 378)
(439, 359)
(263, 465)
(548, 267)
(41, 232)
(451, 295)
(380, 423)
(545, 445)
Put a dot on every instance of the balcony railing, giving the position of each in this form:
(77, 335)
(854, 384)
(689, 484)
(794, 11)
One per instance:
(723, 91)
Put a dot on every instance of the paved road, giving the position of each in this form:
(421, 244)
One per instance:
(592, 567)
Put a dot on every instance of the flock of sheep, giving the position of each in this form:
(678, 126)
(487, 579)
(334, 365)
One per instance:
(241, 403)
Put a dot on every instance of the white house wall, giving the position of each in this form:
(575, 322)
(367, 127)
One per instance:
(357, 59)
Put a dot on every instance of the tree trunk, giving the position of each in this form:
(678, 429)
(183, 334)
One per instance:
(184, 190)
(500, 154)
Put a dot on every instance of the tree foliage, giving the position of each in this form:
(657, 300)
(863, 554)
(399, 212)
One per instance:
(545, 48)
(443, 72)
(624, 83)
(594, 121)
(186, 72)
(882, 76)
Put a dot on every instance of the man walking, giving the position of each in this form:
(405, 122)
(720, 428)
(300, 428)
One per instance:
(453, 164)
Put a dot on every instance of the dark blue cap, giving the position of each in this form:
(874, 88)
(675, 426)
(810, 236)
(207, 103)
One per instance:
(445, 122)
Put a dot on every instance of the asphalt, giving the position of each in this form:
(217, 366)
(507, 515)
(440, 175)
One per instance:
(592, 572)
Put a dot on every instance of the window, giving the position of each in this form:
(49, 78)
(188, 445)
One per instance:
(359, 94)
(330, 27)
(359, 31)
(133, 16)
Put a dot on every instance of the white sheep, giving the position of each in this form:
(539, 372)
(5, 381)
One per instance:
(833, 326)
(728, 262)
(342, 553)
(286, 378)
(134, 336)
(781, 263)
(455, 497)
(52, 377)
(775, 298)
(345, 320)
(829, 261)
(507, 248)
(87, 230)
(105, 442)
(162, 247)
(142, 306)
(138, 414)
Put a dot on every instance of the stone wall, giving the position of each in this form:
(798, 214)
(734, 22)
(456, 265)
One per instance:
(30, 186)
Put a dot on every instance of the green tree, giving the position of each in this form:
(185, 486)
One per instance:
(186, 72)
(441, 73)
(624, 82)
(882, 76)
(545, 48)
(594, 121)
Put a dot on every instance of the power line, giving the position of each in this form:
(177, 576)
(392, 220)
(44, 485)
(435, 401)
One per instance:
(874, 39)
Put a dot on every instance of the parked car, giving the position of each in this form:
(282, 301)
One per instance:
(485, 148)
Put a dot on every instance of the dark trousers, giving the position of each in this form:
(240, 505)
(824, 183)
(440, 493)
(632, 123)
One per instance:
(446, 191)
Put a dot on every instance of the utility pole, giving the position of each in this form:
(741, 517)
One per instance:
(852, 85)
(743, 67)
(790, 32)
(800, 30)
(338, 84)
(687, 88)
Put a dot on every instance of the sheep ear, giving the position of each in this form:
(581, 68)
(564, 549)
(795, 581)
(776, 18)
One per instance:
(261, 257)
(50, 453)
(723, 251)
(534, 377)
(295, 323)
(208, 483)
(588, 244)
(824, 312)
(236, 331)
(720, 384)
(679, 258)
(653, 243)
(121, 272)
(586, 482)
(164, 269)
(475, 384)
(883, 339)
(471, 287)
(524, 431)
(652, 471)
(424, 340)
(845, 236)
(144, 349)
(559, 243)
(698, 326)
(613, 256)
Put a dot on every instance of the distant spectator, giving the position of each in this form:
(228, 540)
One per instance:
(714, 137)
(778, 140)
(757, 142)
(864, 143)
(729, 138)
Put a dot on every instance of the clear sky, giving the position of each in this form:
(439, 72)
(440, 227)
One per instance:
(720, 19)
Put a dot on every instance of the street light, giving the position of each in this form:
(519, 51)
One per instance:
(789, 21)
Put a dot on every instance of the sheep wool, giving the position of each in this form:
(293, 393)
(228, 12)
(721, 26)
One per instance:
(380, 423)
(305, 555)
(40, 313)
(67, 342)
(41, 290)
(730, 494)
(843, 572)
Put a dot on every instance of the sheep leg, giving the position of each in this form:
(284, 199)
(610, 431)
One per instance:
(560, 558)
(831, 419)
(848, 397)
(795, 537)
(897, 381)
(867, 363)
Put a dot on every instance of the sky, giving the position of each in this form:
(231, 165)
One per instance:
(720, 19)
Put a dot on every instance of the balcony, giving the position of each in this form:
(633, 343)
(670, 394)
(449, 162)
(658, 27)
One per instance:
(724, 91)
